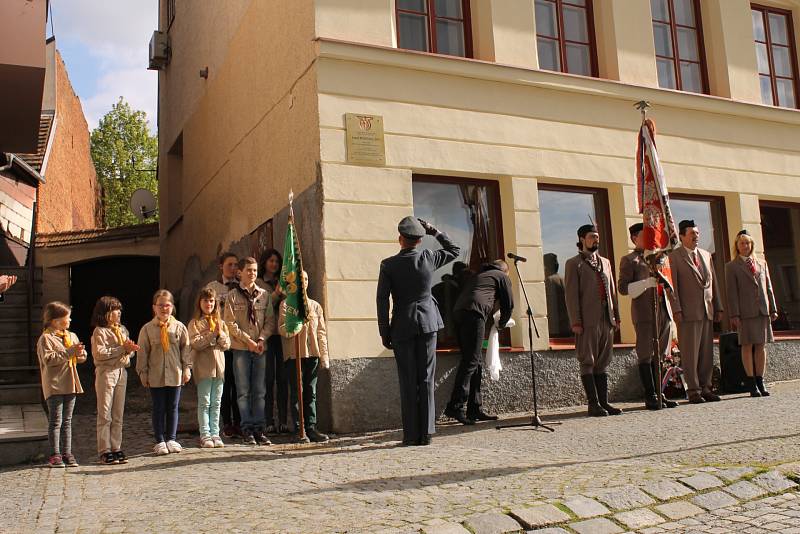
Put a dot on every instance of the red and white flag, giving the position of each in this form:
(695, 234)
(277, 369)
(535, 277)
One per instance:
(660, 234)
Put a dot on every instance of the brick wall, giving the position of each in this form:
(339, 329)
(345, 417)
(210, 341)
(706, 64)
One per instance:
(69, 198)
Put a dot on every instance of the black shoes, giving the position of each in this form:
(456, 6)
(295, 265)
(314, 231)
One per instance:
(459, 416)
(249, 438)
(601, 382)
(424, 440)
(710, 396)
(481, 416)
(121, 458)
(315, 435)
(262, 439)
(650, 397)
(761, 387)
(750, 381)
(695, 398)
(109, 458)
(595, 410)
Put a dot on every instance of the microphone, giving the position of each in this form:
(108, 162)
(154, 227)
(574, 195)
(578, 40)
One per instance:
(516, 258)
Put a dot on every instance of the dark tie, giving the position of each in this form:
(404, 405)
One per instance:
(752, 265)
(696, 259)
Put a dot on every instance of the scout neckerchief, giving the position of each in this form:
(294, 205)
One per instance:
(117, 333)
(597, 266)
(212, 324)
(251, 303)
(165, 333)
(66, 339)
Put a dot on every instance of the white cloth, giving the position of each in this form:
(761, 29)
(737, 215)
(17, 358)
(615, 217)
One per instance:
(635, 289)
(492, 362)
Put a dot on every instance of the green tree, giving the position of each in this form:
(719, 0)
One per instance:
(125, 157)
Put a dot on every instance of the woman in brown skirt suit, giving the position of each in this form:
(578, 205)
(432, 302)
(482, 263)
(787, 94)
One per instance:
(751, 305)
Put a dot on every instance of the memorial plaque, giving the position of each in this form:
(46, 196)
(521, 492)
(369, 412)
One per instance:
(365, 144)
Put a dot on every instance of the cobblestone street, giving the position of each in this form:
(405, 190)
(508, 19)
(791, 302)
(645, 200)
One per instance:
(706, 468)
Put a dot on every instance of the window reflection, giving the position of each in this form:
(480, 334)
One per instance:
(468, 212)
(782, 253)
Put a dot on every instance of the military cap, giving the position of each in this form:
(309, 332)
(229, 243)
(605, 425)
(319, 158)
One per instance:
(686, 223)
(743, 232)
(585, 229)
(410, 228)
(636, 228)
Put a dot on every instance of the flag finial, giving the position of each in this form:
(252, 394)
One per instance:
(642, 106)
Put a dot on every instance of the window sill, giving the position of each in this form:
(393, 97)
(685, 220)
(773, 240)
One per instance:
(454, 350)
(565, 345)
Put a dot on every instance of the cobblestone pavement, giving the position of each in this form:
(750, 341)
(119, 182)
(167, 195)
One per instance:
(616, 472)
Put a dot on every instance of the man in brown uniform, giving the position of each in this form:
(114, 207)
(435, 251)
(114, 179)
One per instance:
(636, 282)
(696, 304)
(593, 313)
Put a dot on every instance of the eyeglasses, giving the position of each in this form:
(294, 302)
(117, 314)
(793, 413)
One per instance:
(167, 305)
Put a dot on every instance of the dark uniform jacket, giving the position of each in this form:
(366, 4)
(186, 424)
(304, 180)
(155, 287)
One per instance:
(634, 268)
(481, 292)
(408, 277)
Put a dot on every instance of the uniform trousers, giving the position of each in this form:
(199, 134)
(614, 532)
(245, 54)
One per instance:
(416, 367)
(696, 341)
(467, 387)
(644, 337)
(110, 386)
(594, 347)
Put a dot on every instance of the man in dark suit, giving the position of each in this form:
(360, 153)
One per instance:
(475, 304)
(408, 277)
(594, 315)
(635, 280)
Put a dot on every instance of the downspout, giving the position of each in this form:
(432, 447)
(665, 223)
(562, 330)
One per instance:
(9, 164)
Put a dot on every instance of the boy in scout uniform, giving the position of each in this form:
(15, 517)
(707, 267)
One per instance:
(593, 314)
(696, 304)
(636, 282)
(408, 277)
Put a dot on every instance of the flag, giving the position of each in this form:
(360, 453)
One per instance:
(660, 234)
(291, 280)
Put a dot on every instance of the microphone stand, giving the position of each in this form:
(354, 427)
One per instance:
(536, 422)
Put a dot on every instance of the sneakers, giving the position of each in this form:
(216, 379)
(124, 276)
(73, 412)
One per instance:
(217, 442)
(249, 439)
(121, 458)
(109, 458)
(315, 435)
(56, 461)
(160, 449)
(262, 439)
(206, 442)
(69, 460)
(174, 446)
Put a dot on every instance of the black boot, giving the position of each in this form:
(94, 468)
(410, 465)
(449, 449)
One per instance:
(761, 387)
(665, 402)
(601, 382)
(650, 398)
(595, 410)
(750, 384)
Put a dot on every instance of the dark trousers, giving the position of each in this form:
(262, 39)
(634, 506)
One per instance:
(228, 406)
(467, 388)
(165, 412)
(416, 367)
(308, 369)
(276, 381)
(59, 429)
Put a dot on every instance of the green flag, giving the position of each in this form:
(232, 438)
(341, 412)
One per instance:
(292, 281)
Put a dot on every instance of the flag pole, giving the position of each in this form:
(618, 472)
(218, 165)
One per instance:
(642, 106)
(298, 368)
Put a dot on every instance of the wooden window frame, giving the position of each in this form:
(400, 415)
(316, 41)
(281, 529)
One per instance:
(431, 18)
(600, 195)
(701, 49)
(562, 40)
(496, 205)
(765, 12)
(779, 334)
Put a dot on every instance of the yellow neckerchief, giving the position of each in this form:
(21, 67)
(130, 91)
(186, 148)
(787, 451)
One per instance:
(117, 333)
(66, 339)
(212, 324)
(165, 333)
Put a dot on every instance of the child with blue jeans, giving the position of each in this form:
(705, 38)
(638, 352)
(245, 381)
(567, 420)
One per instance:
(209, 340)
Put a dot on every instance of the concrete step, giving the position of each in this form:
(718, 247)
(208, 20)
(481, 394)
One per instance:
(19, 374)
(23, 434)
(20, 393)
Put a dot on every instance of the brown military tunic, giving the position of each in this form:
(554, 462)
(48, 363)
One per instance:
(591, 296)
(634, 268)
(697, 298)
(751, 299)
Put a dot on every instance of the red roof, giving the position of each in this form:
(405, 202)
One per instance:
(78, 237)
(37, 160)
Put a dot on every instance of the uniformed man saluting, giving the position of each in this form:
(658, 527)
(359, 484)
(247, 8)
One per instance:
(635, 280)
(408, 277)
(593, 313)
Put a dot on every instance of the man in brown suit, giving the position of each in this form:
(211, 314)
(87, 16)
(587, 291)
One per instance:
(636, 282)
(696, 304)
(593, 313)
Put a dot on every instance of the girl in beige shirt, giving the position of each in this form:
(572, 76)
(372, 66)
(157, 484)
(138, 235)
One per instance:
(60, 352)
(208, 335)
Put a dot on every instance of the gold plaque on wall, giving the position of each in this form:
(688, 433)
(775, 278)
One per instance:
(365, 144)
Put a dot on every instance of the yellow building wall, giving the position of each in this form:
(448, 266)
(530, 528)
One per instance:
(455, 118)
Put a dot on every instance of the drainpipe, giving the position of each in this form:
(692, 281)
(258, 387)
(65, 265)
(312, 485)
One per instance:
(10, 163)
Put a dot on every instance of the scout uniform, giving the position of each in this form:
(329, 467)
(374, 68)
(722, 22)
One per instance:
(592, 304)
(111, 361)
(696, 297)
(229, 406)
(408, 278)
(636, 282)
